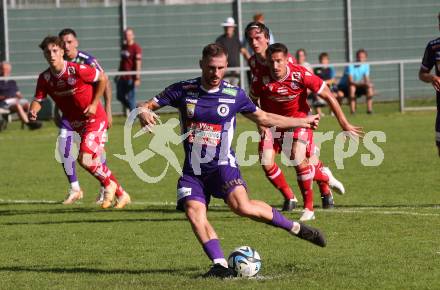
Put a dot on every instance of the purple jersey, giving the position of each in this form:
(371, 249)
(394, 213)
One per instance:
(85, 58)
(431, 58)
(208, 118)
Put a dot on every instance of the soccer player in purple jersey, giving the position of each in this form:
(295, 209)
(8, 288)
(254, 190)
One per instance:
(208, 107)
(431, 59)
(73, 54)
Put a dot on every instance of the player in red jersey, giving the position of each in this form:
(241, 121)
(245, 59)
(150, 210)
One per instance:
(257, 36)
(76, 90)
(286, 92)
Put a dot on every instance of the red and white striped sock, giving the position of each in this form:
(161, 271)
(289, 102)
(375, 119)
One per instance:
(276, 177)
(305, 179)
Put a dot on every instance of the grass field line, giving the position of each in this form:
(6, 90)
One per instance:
(392, 210)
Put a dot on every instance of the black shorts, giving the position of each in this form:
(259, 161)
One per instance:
(359, 91)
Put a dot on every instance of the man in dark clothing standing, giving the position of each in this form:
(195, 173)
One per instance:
(231, 43)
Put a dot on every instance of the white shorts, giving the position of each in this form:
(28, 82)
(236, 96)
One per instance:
(14, 101)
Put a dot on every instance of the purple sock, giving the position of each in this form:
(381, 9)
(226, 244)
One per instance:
(69, 165)
(281, 221)
(213, 250)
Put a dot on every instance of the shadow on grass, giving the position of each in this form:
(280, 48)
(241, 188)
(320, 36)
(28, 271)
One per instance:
(72, 210)
(92, 221)
(402, 206)
(76, 270)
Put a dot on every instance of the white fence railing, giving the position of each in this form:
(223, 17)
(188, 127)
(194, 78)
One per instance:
(196, 71)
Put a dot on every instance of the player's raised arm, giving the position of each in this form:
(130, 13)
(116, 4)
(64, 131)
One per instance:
(327, 95)
(266, 119)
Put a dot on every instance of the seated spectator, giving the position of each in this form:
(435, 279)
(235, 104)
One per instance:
(328, 74)
(356, 82)
(3, 118)
(12, 100)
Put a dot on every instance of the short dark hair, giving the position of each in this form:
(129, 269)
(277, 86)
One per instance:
(214, 49)
(261, 28)
(276, 47)
(322, 55)
(67, 31)
(362, 50)
(50, 39)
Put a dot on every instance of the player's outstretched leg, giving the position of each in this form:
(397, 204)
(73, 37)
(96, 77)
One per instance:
(196, 213)
(65, 145)
(322, 179)
(325, 179)
(240, 204)
(335, 184)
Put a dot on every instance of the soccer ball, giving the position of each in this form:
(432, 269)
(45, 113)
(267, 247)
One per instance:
(245, 261)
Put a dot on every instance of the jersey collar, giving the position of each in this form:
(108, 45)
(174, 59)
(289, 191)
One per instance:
(286, 76)
(61, 73)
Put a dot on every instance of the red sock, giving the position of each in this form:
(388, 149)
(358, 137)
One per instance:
(305, 179)
(119, 190)
(100, 172)
(319, 175)
(322, 179)
(276, 177)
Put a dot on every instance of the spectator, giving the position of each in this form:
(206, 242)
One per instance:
(229, 40)
(301, 58)
(131, 60)
(356, 82)
(12, 100)
(259, 17)
(328, 74)
(3, 118)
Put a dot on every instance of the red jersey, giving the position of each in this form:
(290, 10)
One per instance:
(129, 55)
(287, 97)
(72, 91)
(260, 69)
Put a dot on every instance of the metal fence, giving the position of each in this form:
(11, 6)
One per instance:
(394, 33)
(400, 90)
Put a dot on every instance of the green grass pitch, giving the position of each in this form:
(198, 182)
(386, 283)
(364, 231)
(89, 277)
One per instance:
(384, 233)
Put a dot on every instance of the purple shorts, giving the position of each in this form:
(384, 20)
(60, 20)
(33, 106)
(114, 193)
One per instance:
(201, 187)
(65, 124)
